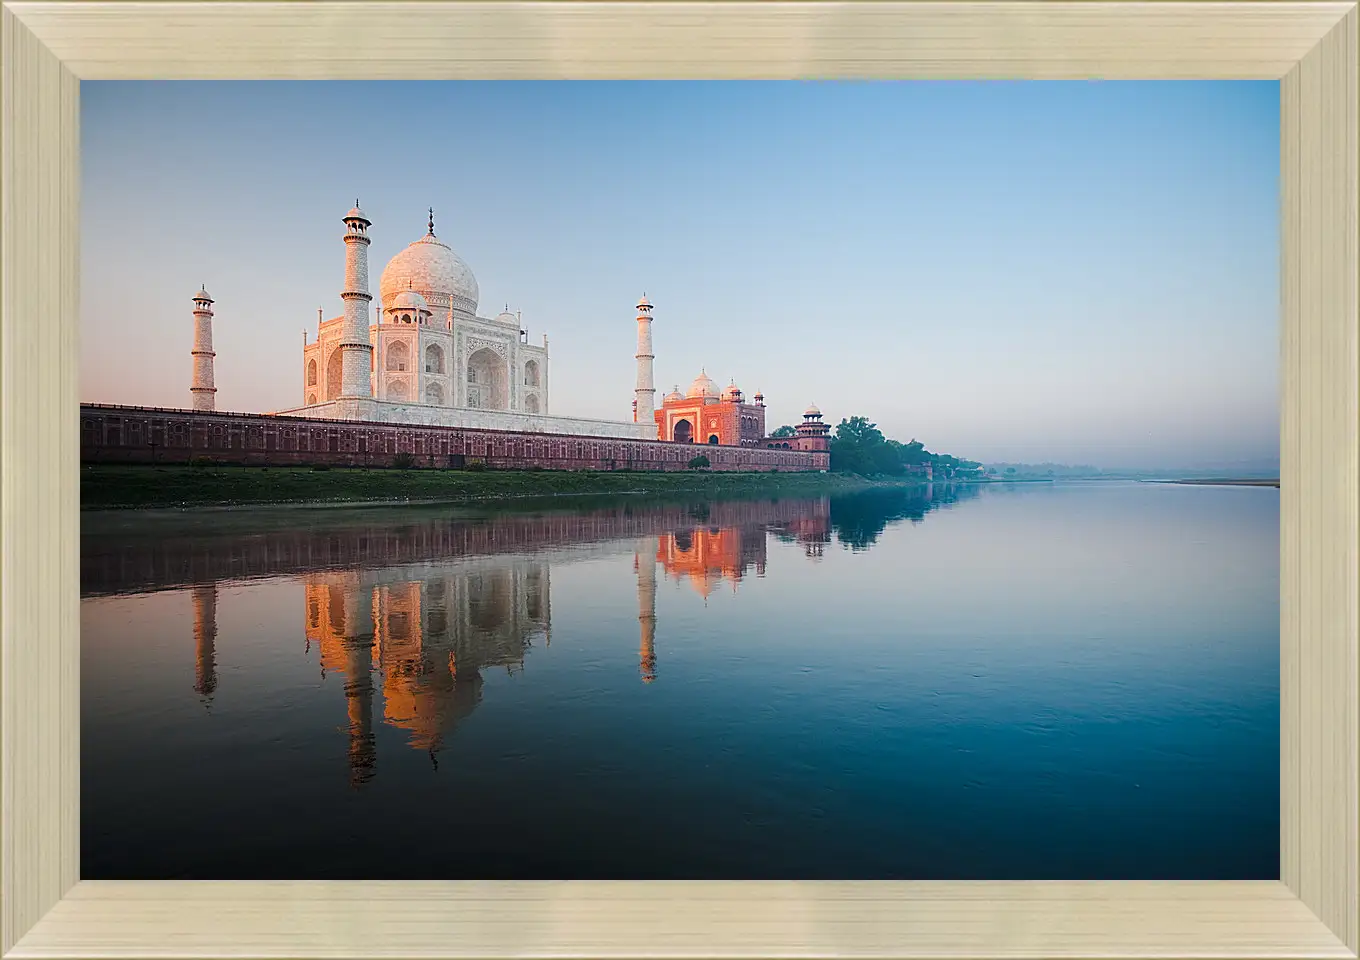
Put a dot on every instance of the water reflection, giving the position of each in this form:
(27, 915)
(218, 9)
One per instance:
(205, 640)
(860, 520)
(413, 649)
(877, 686)
(428, 641)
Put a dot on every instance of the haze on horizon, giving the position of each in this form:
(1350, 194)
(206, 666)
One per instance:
(1081, 273)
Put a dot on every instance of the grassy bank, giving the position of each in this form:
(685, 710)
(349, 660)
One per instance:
(104, 487)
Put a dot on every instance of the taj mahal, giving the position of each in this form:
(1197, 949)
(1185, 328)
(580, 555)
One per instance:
(425, 357)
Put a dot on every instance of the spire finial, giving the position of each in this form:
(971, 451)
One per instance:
(432, 221)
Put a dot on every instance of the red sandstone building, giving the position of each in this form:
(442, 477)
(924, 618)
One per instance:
(703, 415)
(810, 436)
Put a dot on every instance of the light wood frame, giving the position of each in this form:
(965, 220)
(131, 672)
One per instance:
(49, 47)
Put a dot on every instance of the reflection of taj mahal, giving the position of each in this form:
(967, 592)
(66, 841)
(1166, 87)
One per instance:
(413, 642)
(428, 639)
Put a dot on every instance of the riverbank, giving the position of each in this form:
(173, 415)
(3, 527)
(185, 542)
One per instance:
(121, 487)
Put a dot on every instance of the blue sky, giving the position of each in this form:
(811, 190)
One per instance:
(1064, 271)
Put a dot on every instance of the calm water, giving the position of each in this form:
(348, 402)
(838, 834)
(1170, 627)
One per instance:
(1032, 681)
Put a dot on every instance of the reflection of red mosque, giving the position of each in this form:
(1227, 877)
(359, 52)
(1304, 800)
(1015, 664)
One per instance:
(706, 556)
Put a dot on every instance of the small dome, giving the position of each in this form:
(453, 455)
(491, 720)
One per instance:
(732, 394)
(675, 396)
(202, 294)
(702, 387)
(812, 411)
(644, 303)
(505, 316)
(356, 214)
(409, 300)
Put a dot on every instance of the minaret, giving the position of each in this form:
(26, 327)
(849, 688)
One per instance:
(645, 392)
(205, 639)
(203, 390)
(644, 562)
(357, 351)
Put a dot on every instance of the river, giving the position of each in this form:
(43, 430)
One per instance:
(1021, 681)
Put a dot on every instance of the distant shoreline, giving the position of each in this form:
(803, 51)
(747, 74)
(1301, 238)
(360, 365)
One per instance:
(1224, 482)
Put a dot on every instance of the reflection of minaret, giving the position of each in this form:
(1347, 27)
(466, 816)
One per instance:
(205, 639)
(358, 648)
(644, 562)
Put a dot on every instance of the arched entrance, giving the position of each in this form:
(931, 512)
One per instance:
(434, 359)
(713, 439)
(684, 432)
(488, 381)
(335, 369)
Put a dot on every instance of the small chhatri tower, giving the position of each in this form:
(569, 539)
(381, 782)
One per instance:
(644, 402)
(203, 389)
(812, 432)
(810, 436)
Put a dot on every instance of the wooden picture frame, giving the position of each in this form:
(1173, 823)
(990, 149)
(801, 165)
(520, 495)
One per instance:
(48, 47)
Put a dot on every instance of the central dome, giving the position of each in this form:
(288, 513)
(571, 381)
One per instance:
(434, 271)
(702, 387)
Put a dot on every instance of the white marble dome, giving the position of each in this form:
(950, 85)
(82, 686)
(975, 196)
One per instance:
(702, 387)
(202, 294)
(506, 316)
(675, 396)
(356, 214)
(812, 411)
(435, 272)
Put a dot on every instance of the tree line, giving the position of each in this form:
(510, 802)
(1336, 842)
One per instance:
(858, 446)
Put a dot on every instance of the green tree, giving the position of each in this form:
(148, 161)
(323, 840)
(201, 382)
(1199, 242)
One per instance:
(860, 447)
(700, 462)
(784, 431)
(914, 453)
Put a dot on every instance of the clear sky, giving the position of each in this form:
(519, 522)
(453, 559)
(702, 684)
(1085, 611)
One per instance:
(1060, 271)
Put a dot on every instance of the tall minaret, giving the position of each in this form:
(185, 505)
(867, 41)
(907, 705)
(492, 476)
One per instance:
(357, 356)
(645, 393)
(203, 390)
(644, 562)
